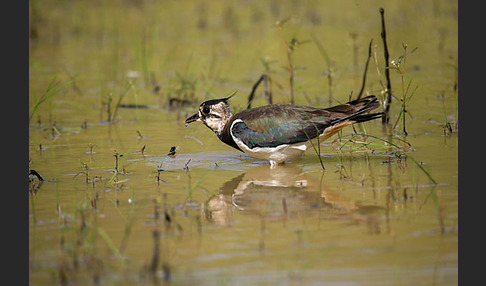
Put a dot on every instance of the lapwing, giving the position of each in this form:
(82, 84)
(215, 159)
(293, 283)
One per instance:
(281, 132)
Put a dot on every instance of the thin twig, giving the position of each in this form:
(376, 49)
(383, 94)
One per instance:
(34, 172)
(366, 70)
(386, 114)
(268, 96)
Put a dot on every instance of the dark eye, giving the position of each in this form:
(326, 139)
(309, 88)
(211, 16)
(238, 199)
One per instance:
(205, 110)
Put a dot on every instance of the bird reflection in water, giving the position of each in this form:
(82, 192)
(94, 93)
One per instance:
(284, 193)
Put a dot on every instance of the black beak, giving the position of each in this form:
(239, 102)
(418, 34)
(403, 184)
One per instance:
(193, 118)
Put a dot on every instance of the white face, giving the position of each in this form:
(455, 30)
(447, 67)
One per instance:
(215, 116)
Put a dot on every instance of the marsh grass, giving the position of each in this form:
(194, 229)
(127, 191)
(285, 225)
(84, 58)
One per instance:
(317, 149)
(330, 69)
(456, 88)
(186, 86)
(84, 234)
(290, 47)
(343, 173)
(157, 262)
(269, 71)
(54, 87)
(158, 171)
(361, 142)
(85, 172)
(92, 198)
(394, 149)
(133, 212)
(450, 124)
(117, 170)
(80, 234)
(72, 80)
(32, 192)
(400, 66)
(419, 165)
(182, 87)
(107, 239)
(143, 56)
(193, 186)
(79, 253)
(435, 197)
(111, 102)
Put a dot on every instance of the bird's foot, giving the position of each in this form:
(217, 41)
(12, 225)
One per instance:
(273, 164)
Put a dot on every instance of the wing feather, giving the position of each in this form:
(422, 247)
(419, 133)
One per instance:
(273, 125)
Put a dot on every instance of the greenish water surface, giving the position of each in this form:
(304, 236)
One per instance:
(115, 209)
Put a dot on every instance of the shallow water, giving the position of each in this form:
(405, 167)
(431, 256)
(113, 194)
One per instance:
(115, 209)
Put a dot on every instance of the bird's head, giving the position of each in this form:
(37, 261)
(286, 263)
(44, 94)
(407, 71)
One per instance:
(214, 113)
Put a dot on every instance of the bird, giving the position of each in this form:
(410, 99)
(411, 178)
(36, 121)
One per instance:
(280, 132)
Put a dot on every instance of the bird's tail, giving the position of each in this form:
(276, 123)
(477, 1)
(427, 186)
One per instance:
(365, 117)
(359, 107)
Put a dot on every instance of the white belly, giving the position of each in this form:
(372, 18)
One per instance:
(277, 154)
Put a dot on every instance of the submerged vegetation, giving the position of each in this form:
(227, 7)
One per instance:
(108, 205)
